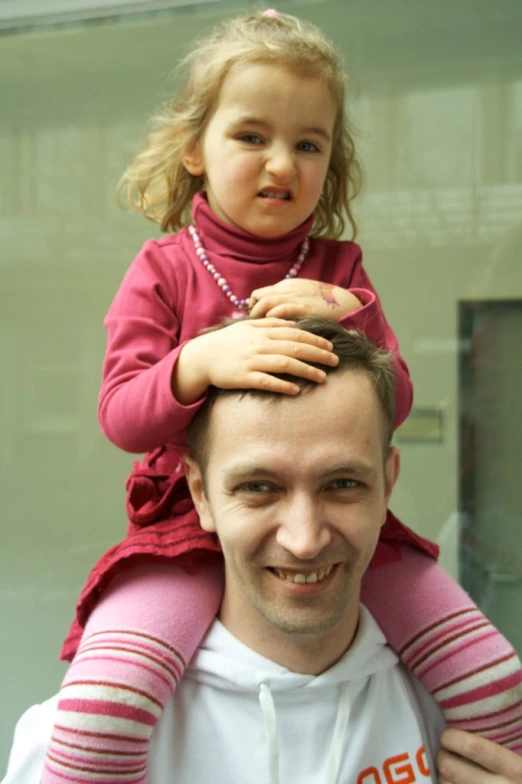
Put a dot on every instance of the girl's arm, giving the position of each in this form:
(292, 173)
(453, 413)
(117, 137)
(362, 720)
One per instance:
(246, 355)
(355, 305)
(371, 320)
(136, 408)
(152, 386)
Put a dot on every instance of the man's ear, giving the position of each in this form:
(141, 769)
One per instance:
(193, 161)
(197, 491)
(391, 474)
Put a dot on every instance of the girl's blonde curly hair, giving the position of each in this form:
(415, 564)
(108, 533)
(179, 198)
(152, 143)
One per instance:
(158, 184)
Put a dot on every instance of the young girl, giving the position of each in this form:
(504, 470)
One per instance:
(256, 154)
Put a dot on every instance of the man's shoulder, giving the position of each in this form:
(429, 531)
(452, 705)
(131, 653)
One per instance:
(31, 738)
(428, 714)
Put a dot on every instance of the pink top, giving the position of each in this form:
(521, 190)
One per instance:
(167, 297)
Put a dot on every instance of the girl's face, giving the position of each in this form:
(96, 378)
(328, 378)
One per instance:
(266, 149)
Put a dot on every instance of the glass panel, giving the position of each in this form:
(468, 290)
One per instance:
(490, 438)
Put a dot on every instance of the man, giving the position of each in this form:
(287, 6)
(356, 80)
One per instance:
(295, 682)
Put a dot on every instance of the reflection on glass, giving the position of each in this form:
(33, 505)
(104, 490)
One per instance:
(491, 434)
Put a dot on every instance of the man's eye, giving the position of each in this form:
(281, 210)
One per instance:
(255, 487)
(308, 147)
(250, 138)
(344, 484)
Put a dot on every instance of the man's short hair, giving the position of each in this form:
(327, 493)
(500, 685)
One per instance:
(355, 351)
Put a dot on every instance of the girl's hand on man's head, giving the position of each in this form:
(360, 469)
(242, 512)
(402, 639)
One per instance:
(295, 297)
(246, 355)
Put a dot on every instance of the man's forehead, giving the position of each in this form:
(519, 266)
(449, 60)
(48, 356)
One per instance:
(354, 382)
(345, 405)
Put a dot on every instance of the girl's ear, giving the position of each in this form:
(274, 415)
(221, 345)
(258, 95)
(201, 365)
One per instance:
(193, 161)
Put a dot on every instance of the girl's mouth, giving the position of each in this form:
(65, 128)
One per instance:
(269, 194)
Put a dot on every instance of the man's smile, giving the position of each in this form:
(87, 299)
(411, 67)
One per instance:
(301, 577)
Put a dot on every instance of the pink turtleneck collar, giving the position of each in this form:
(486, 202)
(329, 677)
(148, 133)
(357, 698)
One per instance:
(234, 243)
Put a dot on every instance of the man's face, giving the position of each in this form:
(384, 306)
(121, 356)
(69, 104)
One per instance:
(297, 491)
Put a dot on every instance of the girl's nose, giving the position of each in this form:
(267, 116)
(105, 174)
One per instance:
(281, 164)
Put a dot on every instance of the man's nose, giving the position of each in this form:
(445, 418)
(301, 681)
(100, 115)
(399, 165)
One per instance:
(303, 530)
(281, 162)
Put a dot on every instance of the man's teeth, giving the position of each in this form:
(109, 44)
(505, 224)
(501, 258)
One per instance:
(274, 195)
(301, 579)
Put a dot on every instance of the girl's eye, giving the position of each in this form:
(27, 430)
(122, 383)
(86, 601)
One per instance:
(308, 147)
(250, 138)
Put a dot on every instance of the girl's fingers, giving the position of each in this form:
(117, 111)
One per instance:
(269, 383)
(265, 291)
(287, 350)
(264, 305)
(265, 323)
(287, 285)
(288, 365)
(295, 335)
(281, 329)
(259, 309)
(288, 311)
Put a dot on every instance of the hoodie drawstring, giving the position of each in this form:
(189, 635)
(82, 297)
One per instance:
(338, 740)
(268, 709)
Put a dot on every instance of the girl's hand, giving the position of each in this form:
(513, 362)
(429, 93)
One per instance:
(245, 355)
(470, 759)
(294, 297)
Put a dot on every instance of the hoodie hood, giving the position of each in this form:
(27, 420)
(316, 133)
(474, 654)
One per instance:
(223, 662)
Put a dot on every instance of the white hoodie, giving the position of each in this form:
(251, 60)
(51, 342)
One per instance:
(238, 718)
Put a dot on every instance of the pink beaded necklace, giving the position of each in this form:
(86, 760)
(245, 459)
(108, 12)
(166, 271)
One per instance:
(240, 304)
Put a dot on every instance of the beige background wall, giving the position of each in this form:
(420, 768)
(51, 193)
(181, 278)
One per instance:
(440, 114)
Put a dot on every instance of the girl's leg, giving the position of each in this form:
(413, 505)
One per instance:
(442, 637)
(134, 650)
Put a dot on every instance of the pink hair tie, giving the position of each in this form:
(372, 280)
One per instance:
(271, 12)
